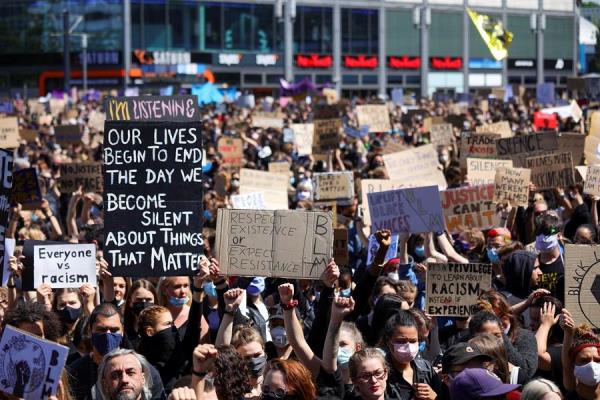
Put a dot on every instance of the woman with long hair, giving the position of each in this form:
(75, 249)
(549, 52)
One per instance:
(140, 296)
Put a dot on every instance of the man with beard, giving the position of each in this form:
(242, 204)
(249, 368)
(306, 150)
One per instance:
(124, 375)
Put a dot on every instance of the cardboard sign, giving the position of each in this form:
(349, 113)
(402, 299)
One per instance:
(152, 108)
(86, 174)
(304, 134)
(57, 106)
(518, 148)
(326, 135)
(573, 143)
(280, 167)
(9, 251)
(551, 171)
(501, 128)
(285, 244)
(28, 135)
(453, 289)
(334, 186)
(442, 134)
(483, 172)
(582, 297)
(415, 210)
(512, 185)
(66, 134)
(30, 367)
(65, 266)
(9, 133)
(152, 197)
(249, 201)
(267, 120)
(26, 189)
(469, 207)
(272, 186)
(96, 120)
(592, 149)
(232, 151)
(582, 172)
(376, 116)
(375, 186)
(415, 167)
(340, 246)
(476, 146)
(592, 181)
(35, 107)
(392, 251)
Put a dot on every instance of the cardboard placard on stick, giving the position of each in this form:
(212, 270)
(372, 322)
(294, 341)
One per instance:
(512, 186)
(582, 296)
(9, 133)
(592, 181)
(551, 171)
(334, 186)
(285, 244)
(375, 186)
(303, 136)
(469, 207)
(86, 174)
(272, 186)
(442, 134)
(26, 189)
(518, 148)
(64, 265)
(376, 116)
(453, 289)
(415, 167)
(232, 151)
(249, 201)
(483, 172)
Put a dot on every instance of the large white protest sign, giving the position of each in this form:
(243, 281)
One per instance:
(375, 116)
(249, 201)
(303, 136)
(334, 185)
(273, 187)
(415, 167)
(65, 265)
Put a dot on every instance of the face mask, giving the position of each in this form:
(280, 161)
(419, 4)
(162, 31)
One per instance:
(140, 306)
(420, 251)
(34, 218)
(160, 347)
(492, 255)
(104, 343)
(346, 292)
(256, 365)
(461, 246)
(405, 352)
(393, 276)
(210, 289)
(279, 336)
(207, 215)
(207, 167)
(588, 374)
(343, 356)
(545, 243)
(422, 346)
(69, 314)
(178, 301)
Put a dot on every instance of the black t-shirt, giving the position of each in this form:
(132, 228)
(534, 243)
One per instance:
(581, 215)
(553, 278)
(330, 386)
(555, 373)
(399, 389)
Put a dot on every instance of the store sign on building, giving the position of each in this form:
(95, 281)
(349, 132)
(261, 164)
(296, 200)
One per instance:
(229, 59)
(404, 62)
(521, 63)
(100, 58)
(314, 61)
(362, 61)
(266, 60)
(559, 64)
(162, 57)
(484, 63)
(448, 63)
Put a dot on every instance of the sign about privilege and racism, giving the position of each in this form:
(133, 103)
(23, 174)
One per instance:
(415, 210)
(152, 108)
(374, 186)
(26, 189)
(232, 151)
(334, 186)
(286, 243)
(30, 367)
(551, 171)
(9, 133)
(518, 148)
(152, 197)
(582, 283)
(85, 174)
(64, 265)
(512, 185)
(453, 289)
(303, 138)
(415, 167)
(482, 172)
(592, 180)
(441, 134)
(272, 186)
(375, 116)
(469, 207)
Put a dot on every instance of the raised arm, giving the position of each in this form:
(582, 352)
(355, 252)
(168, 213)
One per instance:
(72, 230)
(449, 251)
(547, 321)
(340, 308)
(56, 229)
(567, 323)
(233, 299)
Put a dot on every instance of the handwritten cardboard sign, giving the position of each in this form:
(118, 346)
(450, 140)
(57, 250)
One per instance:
(415, 210)
(249, 201)
(65, 266)
(26, 189)
(483, 172)
(152, 108)
(326, 134)
(573, 143)
(267, 120)
(286, 244)
(592, 181)
(376, 116)
(57, 106)
(340, 246)
(66, 134)
(96, 120)
(334, 185)
(86, 174)
(280, 167)
(501, 128)
(442, 134)
(518, 148)
(453, 289)
(552, 170)
(392, 251)
(9, 133)
(30, 367)
(232, 151)
(28, 135)
(582, 299)
(476, 146)
(375, 186)
(304, 134)
(469, 207)
(272, 186)
(415, 167)
(512, 185)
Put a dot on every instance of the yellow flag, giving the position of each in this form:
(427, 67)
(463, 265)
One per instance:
(493, 33)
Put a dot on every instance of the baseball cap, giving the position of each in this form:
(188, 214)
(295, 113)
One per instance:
(462, 353)
(477, 383)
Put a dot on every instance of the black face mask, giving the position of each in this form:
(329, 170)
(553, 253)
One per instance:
(257, 365)
(159, 348)
(68, 314)
(140, 306)
(272, 396)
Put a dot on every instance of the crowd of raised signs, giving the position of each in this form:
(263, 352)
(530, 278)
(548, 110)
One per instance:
(427, 250)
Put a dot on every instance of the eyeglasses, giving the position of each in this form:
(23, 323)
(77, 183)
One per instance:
(367, 377)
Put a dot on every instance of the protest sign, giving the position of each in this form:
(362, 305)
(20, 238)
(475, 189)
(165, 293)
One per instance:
(26, 189)
(45, 120)
(66, 134)
(581, 172)
(442, 134)
(35, 107)
(86, 174)
(331, 95)
(232, 151)
(96, 120)
(415, 167)
(323, 111)
(501, 128)
(334, 186)
(376, 116)
(482, 172)
(285, 244)
(267, 120)
(518, 148)
(469, 207)
(545, 93)
(592, 149)
(398, 96)
(57, 106)
(28, 135)
(152, 197)
(6, 167)
(280, 167)
(415, 210)
(544, 121)
(453, 289)
(457, 121)
(573, 143)
(221, 184)
(476, 145)
(272, 186)
(592, 181)
(392, 251)
(30, 367)
(582, 294)
(9, 133)
(64, 266)
(8, 252)
(326, 135)
(551, 171)
(375, 186)
(304, 138)
(340, 246)
(152, 108)
(512, 186)
(249, 201)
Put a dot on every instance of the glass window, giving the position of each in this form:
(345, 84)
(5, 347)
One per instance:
(550, 79)
(523, 43)
(530, 80)
(263, 34)
(558, 37)
(397, 79)
(183, 18)
(155, 26)
(413, 79)
(253, 78)
(273, 79)
(312, 29)
(445, 34)
(369, 79)
(477, 47)
(323, 78)
(238, 25)
(514, 79)
(350, 79)
(360, 31)
(211, 24)
(402, 37)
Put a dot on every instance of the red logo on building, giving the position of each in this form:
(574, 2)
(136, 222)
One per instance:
(446, 63)
(405, 62)
(314, 61)
(360, 61)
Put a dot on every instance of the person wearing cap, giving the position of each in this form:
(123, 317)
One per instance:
(549, 245)
(479, 383)
(279, 345)
(496, 239)
(460, 357)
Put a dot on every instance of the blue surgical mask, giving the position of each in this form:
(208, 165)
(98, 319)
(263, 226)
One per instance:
(492, 255)
(346, 292)
(420, 251)
(210, 289)
(545, 243)
(34, 218)
(343, 356)
(178, 301)
(207, 167)
(207, 215)
(104, 343)
(422, 346)
(461, 246)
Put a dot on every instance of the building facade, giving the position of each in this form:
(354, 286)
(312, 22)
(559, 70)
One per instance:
(360, 46)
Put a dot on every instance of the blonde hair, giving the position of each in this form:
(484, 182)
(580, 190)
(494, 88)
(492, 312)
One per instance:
(363, 355)
(163, 283)
(246, 334)
(149, 317)
(405, 286)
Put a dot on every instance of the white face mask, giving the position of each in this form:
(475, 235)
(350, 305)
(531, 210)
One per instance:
(588, 374)
(279, 336)
(393, 275)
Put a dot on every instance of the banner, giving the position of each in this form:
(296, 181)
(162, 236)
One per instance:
(453, 289)
(232, 151)
(334, 186)
(518, 148)
(442, 134)
(469, 207)
(86, 174)
(326, 135)
(482, 172)
(375, 186)
(283, 244)
(26, 189)
(249, 201)
(64, 266)
(152, 108)
(512, 186)
(415, 167)
(304, 138)
(9, 133)
(272, 186)
(582, 297)
(551, 171)
(376, 116)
